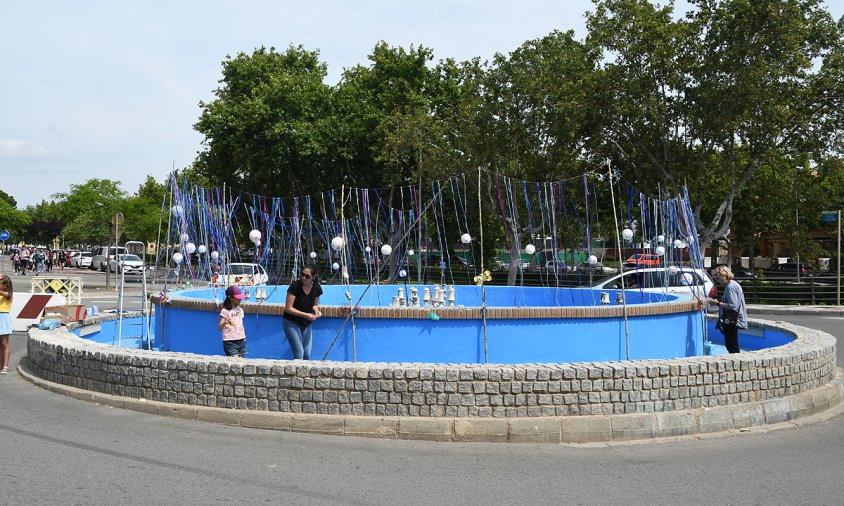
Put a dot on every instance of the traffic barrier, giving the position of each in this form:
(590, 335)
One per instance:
(28, 307)
(69, 287)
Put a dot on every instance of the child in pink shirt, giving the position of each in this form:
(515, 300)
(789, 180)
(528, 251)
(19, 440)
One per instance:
(231, 323)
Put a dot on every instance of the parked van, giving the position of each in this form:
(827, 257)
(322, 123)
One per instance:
(102, 254)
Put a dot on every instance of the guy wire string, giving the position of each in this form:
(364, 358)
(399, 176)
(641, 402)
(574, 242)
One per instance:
(621, 266)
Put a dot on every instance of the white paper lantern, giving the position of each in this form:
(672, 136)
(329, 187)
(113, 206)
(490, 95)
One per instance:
(345, 273)
(386, 249)
(627, 234)
(465, 238)
(313, 254)
(402, 273)
(177, 211)
(338, 243)
(410, 252)
(190, 248)
(593, 259)
(335, 266)
(688, 279)
(367, 249)
(660, 250)
(215, 255)
(184, 238)
(255, 236)
(660, 238)
(201, 249)
(530, 249)
(673, 269)
(177, 257)
(678, 243)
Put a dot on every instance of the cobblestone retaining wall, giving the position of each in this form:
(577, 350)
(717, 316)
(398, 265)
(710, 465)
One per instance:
(438, 390)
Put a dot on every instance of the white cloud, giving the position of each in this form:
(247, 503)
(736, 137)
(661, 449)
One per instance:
(22, 150)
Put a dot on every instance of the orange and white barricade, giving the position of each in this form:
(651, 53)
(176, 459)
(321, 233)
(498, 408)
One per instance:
(28, 307)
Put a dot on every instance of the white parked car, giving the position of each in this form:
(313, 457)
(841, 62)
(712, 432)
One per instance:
(81, 259)
(679, 281)
(126, 263)
(241, 274)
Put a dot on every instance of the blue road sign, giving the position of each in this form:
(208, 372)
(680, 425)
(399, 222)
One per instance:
(4, 235)
(829, 216)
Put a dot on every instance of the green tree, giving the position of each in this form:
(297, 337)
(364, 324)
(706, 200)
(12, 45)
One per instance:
(710, 99)
(88, 208)
(142, 211)
(267, 127)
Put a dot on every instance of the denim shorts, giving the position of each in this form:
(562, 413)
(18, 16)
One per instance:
(234, 348)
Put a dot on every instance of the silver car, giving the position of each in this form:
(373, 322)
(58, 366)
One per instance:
(127, 264)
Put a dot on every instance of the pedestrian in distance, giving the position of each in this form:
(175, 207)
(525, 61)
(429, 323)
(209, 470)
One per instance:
(231, 323)
(732, 310)
(5, 321)
(300, 310)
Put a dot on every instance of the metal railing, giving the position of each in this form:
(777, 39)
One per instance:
(69, 287)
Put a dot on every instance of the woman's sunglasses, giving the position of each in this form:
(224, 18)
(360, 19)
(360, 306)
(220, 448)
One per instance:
(306, 276)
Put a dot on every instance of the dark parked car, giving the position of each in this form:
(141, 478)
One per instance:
(788, 270)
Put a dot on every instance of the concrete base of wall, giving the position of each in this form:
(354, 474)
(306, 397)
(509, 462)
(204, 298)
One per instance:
(805, 406)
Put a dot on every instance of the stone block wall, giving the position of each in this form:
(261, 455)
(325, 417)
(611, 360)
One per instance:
(438, 390)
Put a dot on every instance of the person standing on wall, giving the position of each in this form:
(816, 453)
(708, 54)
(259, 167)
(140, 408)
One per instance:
(300, 310)
(5, 321)
(732, 310)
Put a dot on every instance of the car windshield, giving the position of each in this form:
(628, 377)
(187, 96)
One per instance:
(87, 254)
(130, 258)
(241, 269)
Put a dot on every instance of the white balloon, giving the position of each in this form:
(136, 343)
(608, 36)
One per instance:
(386, 249)
(465, 238)
(678, 243)
(673, 269)
(367, 249)
(688, 279)
(530, 249)
(215, 255)
(184, 237)
(177, 211)
(255, 236)
(313, 254)
(337, 243)
(593, 259)
(660, 238)
(190, 248)
(345, 273)
(660, 250)
(402, 273)
(335, 266)
(627, 234)
(201, 249)
(410, 252)
(177, 257)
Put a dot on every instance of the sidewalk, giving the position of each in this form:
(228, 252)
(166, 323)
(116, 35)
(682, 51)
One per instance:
(794, 310)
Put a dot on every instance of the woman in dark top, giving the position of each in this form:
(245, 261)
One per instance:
(300, 310)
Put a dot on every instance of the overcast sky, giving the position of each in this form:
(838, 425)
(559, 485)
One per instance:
(106, 89)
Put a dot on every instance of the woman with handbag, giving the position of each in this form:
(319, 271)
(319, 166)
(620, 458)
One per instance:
(732, 311)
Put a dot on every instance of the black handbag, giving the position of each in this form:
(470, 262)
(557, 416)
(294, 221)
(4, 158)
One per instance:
(728, 317)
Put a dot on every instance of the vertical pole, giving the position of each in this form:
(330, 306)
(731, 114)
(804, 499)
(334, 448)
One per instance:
(621, 266)
(483, 282)
(838, 285)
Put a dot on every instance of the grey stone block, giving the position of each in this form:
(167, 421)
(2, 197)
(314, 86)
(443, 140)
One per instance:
(380, 427)
(534, 430)
(323, 424)
(265, 420)
(219, 415)
(432, 429)
(586, 429)
(634, 426)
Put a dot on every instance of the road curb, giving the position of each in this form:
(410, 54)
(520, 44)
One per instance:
(795, 310)
(815, 405)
